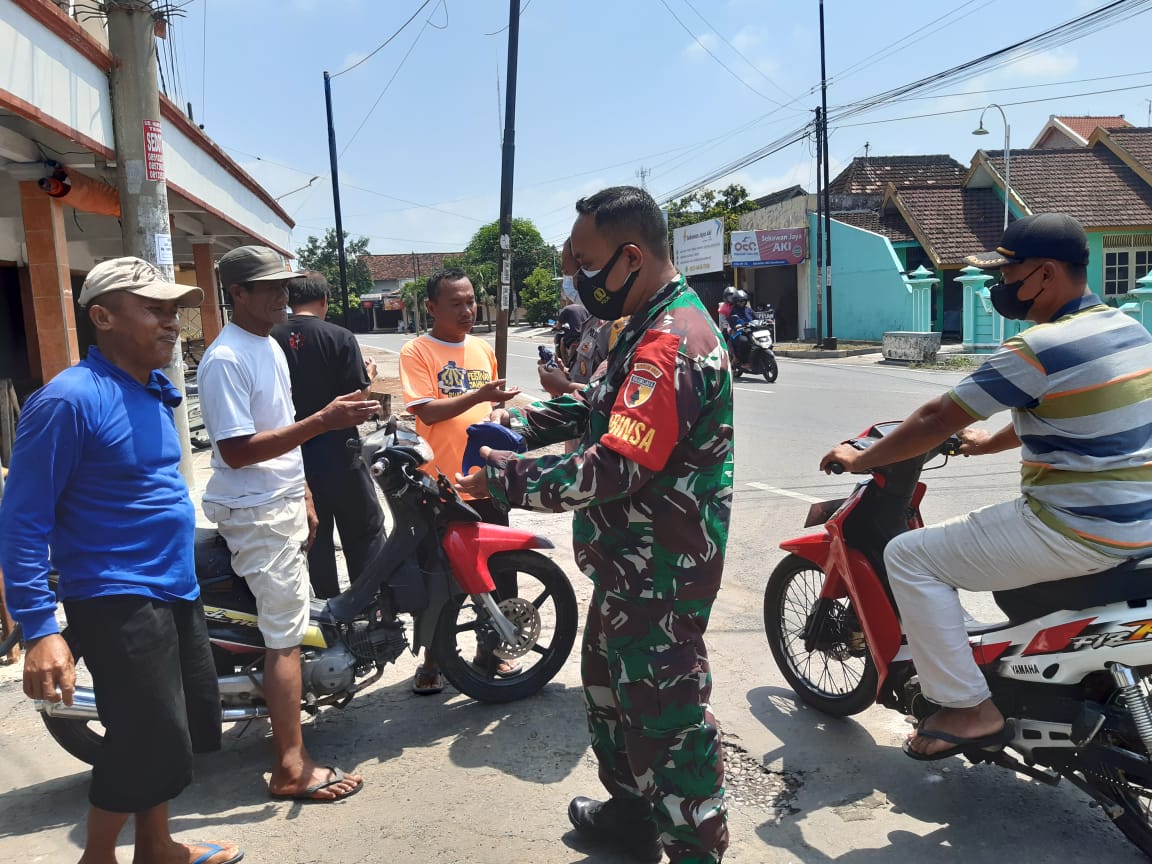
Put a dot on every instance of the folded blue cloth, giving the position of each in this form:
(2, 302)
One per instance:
(488, 434)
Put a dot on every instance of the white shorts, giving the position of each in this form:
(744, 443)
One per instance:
(267, 546)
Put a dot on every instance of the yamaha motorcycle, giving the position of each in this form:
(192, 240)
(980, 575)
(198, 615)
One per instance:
(1070, 667)
(437, 564)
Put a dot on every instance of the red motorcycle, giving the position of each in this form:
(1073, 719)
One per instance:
(1070, 665)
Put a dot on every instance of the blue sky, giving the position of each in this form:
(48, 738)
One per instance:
(607, 87)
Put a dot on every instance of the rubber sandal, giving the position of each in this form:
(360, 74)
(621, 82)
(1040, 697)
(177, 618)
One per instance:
(426, 674)
(506, 668)
(995, 741)
(336, 777)
(216, 849)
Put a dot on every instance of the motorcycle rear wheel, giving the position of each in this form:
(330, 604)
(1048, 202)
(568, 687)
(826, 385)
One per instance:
(840, 680)
(75, 736)
(539, 581)
(1136, 820)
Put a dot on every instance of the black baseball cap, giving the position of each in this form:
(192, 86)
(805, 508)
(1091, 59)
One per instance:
(1046, 235)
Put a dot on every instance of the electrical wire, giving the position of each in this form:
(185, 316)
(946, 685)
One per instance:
(388, 84)
(383, 44)
(711, 54)
(523, 9)
(203, 61)
(736, 50)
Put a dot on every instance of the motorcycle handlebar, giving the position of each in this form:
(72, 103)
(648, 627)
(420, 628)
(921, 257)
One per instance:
(835, 467)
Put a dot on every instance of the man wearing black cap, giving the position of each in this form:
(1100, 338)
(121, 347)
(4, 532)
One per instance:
(258, 498)
(1076, 388)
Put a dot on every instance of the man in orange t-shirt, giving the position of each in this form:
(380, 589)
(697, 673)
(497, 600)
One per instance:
(450, 380)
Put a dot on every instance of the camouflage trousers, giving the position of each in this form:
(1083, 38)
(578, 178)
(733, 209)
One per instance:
(647, 683)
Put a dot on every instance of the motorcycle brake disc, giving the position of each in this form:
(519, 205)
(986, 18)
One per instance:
(525, 617)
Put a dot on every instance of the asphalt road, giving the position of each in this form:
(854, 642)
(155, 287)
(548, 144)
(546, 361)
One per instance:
(449, 780)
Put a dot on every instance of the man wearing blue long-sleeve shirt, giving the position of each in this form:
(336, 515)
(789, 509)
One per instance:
(95, 491)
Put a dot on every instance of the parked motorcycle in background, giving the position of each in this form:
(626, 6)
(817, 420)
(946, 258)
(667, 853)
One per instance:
(437, 565)
(1070, 667)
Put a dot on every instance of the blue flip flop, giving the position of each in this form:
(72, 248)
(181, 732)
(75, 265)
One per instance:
(215, 849)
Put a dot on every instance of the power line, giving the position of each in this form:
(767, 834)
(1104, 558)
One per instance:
(383, 44)
(1007, 88)
(523, 9)
(736, 50)
(710, 53)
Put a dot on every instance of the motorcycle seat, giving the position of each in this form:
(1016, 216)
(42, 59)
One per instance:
(1132, 580)
(213, 559)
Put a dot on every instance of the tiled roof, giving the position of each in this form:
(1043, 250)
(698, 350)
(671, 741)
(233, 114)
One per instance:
(889, 223)
(954, 222)
(872, 174)
(1092, 185)
(1085, 125)
(776, 197)
(385, 267)
(1137, 142)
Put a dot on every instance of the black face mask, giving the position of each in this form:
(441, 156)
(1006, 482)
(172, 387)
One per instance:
(594, 294)
(1005, 301)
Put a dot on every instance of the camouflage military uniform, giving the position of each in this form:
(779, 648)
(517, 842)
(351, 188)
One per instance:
(651, 484)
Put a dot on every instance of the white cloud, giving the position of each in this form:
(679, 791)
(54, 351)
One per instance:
(1046, 64)
(695, 49)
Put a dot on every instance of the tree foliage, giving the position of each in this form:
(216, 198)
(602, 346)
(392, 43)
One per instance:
(529, 252)
(539, 296)
(727, 204)
(323, 256)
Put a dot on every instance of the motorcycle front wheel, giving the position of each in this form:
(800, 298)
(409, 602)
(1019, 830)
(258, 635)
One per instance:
(838, 676)
(770, 369)
(546, 614)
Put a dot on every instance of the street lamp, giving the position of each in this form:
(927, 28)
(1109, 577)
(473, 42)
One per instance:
(299, 189)
(980, 130)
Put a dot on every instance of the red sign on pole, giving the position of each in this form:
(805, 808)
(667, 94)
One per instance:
(153, 151)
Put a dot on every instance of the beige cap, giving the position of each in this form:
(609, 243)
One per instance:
(252, 264)
(136, 276)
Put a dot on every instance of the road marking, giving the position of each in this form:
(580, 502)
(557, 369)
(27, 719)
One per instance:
(752, 389)
(787, 493)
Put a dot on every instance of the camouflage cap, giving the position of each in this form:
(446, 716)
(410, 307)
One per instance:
(136, 276)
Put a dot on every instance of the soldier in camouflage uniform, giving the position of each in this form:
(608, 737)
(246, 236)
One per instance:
(650, 483)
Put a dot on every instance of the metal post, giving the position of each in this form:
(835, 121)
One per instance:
(136, 125)
(830, 341)
(506, 171)
(340, 254)
(819, 237)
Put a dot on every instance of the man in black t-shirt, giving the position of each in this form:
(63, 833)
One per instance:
(324, 362)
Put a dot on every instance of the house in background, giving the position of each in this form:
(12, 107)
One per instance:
(1060, 133)
(56, 117)
(389, 274)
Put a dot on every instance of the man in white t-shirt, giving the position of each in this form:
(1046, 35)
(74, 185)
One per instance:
(259, 500)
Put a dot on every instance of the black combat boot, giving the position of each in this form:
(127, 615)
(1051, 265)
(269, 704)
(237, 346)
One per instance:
(622, 823)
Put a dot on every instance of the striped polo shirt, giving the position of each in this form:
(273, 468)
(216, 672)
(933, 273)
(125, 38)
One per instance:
(1079, 389)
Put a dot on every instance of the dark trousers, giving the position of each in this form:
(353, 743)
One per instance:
(346, 499)
(156, 693)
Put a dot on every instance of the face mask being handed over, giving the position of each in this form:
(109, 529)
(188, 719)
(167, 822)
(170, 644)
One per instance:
(594, 294)
(568, 286)
(1005, 301)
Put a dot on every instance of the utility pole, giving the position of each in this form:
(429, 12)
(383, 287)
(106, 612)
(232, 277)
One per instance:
(819, 238)
(332, 161)
(507, 167)
(830, 341)
(136, 126)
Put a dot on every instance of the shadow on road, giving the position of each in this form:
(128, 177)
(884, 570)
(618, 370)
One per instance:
(862, 796)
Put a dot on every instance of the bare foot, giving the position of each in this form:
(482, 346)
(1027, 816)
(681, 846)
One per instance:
(976, 722)
(222, 852)
(327, 784)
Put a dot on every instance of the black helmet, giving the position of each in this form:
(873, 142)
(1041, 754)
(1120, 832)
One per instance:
(740, 297)
(729, 294)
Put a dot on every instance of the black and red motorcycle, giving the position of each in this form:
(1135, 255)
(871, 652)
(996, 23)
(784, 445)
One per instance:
(437, 565)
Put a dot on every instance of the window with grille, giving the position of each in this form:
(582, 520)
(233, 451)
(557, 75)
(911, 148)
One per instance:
(1124, 267)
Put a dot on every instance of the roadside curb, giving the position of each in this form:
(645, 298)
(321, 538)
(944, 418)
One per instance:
(820, 354)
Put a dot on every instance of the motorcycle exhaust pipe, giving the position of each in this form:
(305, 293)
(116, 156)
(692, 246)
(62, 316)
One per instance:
(83, 707)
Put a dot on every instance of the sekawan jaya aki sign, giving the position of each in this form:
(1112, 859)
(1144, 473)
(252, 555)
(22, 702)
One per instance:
(774, 248)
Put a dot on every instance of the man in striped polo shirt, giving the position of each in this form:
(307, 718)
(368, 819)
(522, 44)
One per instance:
(1076, 385)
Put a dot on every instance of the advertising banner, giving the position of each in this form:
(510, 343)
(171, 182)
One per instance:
(774, 248)
(699, 248)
